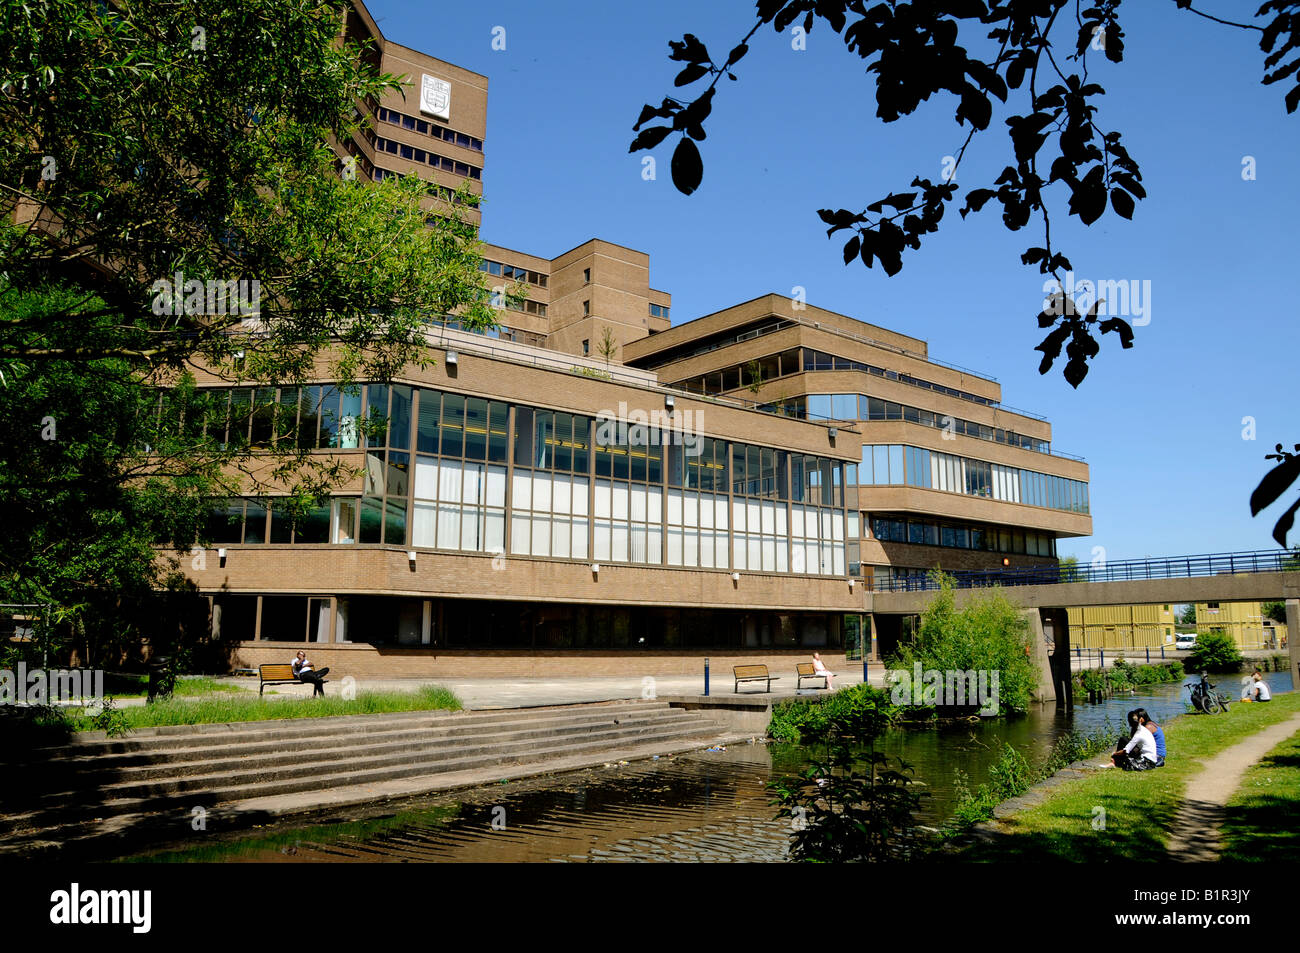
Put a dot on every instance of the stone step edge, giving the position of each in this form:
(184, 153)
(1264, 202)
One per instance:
(243, 813)
(320, 725)
(33, 814)
(230, 744)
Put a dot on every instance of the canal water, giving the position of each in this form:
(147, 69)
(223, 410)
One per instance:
(703, 806)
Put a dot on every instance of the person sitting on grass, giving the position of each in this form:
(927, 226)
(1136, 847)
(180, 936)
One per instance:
(304, 671)
(1140, 752)
(821, 669)
(1156, 732)
(1257, 690)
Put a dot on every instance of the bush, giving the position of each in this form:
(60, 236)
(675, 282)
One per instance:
(989, 634)
(858, 709)
(1215, 652)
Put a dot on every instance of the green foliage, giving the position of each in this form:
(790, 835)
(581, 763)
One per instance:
(989, 634)
(856, 709)
(1275, 610)
(158, 151)
(1188, 616)
(845, 809)
(1215, 652)
(109, 719)
(1011, 775)
(1125, 675)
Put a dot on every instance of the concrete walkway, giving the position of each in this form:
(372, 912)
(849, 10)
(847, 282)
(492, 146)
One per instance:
(480, 693)
(1194, 837)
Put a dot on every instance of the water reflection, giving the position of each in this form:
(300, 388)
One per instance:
(703, 806)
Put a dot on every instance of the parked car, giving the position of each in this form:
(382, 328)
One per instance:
(1186, 640)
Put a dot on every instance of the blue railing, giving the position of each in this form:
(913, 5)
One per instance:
(1128, 570)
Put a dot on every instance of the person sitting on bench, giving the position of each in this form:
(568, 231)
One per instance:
(304, 671)
(821, 669)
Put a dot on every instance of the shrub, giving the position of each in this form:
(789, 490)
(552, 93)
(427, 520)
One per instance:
(1215, 652)
(858, 709)
(989, 634)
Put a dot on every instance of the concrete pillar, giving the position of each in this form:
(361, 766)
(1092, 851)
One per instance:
(1292, 646)
(1059, 622)
(1046, 691)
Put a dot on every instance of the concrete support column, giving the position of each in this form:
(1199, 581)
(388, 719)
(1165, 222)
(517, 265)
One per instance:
(1292, 646)
(1046, 691)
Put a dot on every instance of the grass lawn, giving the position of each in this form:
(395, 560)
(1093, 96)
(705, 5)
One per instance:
(1139, 806)
(216, 710)
(1260, 825)
(138, 687)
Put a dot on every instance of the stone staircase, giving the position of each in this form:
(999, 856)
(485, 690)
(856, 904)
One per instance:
(99, 790)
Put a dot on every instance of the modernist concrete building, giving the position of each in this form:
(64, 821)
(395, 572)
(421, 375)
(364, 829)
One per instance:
(591, 488)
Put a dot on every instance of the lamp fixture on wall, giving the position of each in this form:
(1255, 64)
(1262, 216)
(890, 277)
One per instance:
(410, 557)
(452, 357)
(669, 401)
(735, 577)
(595, 569)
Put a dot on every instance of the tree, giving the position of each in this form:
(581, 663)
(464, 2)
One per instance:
(152, 157)
(988, 634)
(1188, 616)
(1274, 610)
(1215, 652)
(607, 346)
(1057, 149)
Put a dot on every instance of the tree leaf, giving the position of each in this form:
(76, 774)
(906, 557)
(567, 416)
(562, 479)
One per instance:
(687, 167)
(1122, 203)
(649, 138)
(691, 74)
(1274, 484)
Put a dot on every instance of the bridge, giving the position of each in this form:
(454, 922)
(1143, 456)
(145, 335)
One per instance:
(1045, 592)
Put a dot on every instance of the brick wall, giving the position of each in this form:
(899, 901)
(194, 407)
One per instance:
(369, 661)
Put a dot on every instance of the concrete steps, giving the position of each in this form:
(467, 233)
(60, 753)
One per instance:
(101, 786)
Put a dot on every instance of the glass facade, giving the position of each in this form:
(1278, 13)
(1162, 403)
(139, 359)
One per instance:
(916, 466)
(455, 472)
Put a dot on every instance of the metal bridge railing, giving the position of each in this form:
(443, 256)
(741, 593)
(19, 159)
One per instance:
(1128, 570)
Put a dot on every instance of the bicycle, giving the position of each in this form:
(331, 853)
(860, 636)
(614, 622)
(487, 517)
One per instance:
(1205, 700)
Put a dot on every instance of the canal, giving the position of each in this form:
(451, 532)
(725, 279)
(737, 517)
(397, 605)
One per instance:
(703, 806)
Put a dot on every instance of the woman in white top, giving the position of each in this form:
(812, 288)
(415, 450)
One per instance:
(821, 669)
(1140, 752)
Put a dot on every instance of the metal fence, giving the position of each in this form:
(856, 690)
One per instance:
(1128, 570)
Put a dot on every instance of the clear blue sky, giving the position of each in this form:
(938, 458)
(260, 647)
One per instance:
(1160, 424)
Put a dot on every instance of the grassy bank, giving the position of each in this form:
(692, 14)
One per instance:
(217, 710)
(23, 728)
(1138, 807)
(1260, 825)
(137, 686)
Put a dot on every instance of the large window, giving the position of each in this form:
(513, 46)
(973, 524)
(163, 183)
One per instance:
(883, 465)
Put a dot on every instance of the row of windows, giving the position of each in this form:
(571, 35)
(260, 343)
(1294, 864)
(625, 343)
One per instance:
(917, 466)
(804, 360)
(447, 195)
(861, 407)
(963, 536)
(513, 272)
(384, 114)
(393, 147)
(821, 361)
(658, 311)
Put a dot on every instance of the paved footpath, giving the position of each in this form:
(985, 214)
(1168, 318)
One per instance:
(1194, 837)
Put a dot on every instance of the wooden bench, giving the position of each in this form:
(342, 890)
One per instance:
(753, 673)
(277, 674)
(808, 670)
